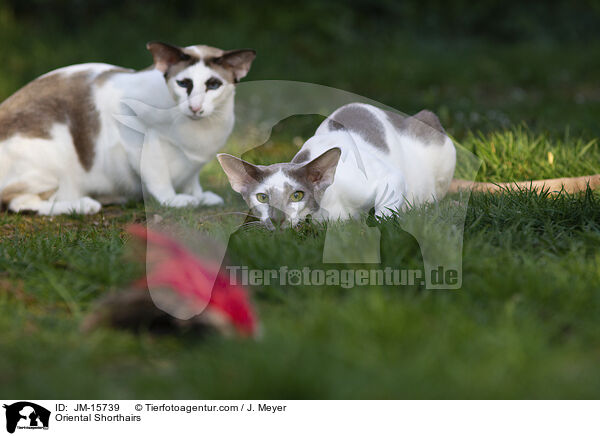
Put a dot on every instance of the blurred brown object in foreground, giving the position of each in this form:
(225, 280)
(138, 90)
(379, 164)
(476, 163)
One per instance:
(178, 293)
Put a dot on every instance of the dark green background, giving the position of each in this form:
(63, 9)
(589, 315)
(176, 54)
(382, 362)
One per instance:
(480, 65)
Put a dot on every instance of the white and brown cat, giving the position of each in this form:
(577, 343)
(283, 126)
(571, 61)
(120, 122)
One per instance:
(361, 158)
(63, 150)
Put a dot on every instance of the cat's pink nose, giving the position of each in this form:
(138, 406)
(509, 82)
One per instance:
(277, 217)
(197, 110)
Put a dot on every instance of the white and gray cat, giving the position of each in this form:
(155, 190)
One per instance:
(360, 158)
(62, 149)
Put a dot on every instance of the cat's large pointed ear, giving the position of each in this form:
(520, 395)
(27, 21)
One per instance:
(241, 174)
(166, 55)
(236, 61)
(321, 170)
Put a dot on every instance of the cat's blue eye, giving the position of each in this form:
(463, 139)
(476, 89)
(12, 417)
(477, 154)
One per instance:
(187, 84)
(213, 83)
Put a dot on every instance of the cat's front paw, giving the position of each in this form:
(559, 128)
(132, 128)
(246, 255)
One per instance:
(181, 200)
(210, 199)
(87, 206)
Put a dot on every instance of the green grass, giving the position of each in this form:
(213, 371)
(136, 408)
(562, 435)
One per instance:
(524, 324)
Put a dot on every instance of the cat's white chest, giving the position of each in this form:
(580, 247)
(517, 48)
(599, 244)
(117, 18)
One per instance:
(183, 145)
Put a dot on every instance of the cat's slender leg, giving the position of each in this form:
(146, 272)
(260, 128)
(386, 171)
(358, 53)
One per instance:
(389, 198)
(83, 205)
(386, 210)
(207, 198)
(47, 195)
(25, 202)
(33, 202)
(69, 198)
(155, 175)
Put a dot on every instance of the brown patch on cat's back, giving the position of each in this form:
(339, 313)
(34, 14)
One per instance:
(362, 121)
(56, 98)
(424, 126)
(103, 77)
(396, 119)
(430, 119)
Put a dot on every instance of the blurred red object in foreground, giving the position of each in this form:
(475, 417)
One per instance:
(177, 269)
(185, 293)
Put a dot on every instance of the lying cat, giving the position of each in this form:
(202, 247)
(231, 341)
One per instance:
(62, 149)
(360, 158)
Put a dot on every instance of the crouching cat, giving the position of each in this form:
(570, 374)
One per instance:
(63, 150)
(360, 158)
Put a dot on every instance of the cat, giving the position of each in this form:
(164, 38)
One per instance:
(62, 149)
(363, 158)
(360, 158)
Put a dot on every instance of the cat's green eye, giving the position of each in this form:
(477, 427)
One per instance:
(297, 196)
(262, 198)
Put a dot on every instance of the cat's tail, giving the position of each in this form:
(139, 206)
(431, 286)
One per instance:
(564, 184)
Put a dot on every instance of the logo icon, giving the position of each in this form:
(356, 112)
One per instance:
(26, 415)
